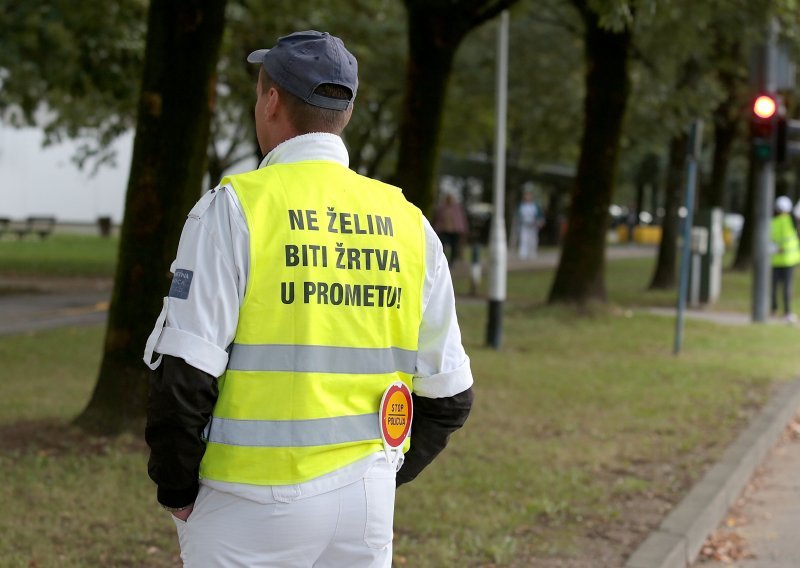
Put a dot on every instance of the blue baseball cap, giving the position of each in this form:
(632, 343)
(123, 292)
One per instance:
(302, 61)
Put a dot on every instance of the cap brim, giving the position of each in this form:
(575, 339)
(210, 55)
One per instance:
(257, 56)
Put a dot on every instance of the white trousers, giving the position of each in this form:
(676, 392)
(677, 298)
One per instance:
(528, 242)
(350, 527)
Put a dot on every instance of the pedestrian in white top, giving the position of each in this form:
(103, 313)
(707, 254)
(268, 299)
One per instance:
(528, 224)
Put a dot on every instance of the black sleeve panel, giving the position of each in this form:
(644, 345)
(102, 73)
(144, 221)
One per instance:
(433, 422)
(179, 406)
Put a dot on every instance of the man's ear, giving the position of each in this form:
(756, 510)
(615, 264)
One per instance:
(273, 101)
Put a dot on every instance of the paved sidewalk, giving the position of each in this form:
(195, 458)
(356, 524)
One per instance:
(48, 303)
(723, 318)
(682, 535)
(761, 530)
(548, 258)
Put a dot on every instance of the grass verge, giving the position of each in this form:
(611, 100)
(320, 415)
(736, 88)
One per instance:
(586, 430)
(59, 255)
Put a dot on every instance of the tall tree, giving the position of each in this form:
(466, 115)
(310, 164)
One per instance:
(435, 30)
(664, 275)
(744, 251)
(727, 124)
(580, 276)
(169, 154)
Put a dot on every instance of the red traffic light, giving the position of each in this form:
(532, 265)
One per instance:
(765, 107)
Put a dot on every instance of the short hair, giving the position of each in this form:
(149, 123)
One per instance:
(306, 117)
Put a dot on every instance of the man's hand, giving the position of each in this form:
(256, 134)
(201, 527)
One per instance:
(183, 515)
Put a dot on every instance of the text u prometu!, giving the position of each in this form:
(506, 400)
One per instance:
(338, 294)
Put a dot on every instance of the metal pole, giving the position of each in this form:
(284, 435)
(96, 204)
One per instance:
(498, 251)
(765, 195)
(761, 259)
(693, 153)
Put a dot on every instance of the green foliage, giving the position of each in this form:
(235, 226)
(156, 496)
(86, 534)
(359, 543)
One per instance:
(545, 88)
(73, 69)
(373, 30)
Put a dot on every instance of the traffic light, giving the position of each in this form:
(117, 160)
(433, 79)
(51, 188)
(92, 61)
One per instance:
(767, 110)
(787, 145)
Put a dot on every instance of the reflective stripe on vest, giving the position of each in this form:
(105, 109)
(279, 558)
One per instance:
(290, 433)
(321, 359)
(330, 319)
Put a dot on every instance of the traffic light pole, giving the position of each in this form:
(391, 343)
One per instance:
(761, 260)
(765, 196)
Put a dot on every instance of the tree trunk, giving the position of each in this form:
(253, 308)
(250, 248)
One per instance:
(169, 155)
(435, 30)
(581, 271)
(664, 274)
(744, 252)
(726, 128)
(639, 201)
(428, 71)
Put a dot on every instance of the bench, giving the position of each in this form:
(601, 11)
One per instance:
(41, 226)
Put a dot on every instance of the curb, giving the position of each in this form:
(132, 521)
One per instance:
(677, 541)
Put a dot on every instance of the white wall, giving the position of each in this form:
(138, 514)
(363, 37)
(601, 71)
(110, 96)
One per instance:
(37, 181)
(45, 182)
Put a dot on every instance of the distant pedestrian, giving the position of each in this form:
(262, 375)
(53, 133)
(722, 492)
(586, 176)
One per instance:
(529, 220)
(785, 255)
(450, 223)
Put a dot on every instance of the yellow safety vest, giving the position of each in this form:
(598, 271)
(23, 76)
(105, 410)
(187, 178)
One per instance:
(329, 320)
(784, 235)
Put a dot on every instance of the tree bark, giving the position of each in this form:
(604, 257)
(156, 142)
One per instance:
(744, 251)
(580, 276)
(664, 276)
(726, 128)
(435, 30)
(169, 156)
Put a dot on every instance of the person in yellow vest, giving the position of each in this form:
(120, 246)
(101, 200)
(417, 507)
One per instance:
(785, 255)
(310, 327)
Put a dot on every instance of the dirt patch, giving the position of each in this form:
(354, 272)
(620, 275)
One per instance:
(608, 542)
(56, 438)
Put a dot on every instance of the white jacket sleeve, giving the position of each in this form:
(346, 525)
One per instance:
(442, 365)
(200, 313)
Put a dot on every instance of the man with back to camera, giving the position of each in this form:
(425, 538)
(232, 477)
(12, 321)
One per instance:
(306, 302)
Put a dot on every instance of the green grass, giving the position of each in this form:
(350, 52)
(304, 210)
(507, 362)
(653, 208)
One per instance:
(69, 500)
(59, 255)
(584, 425)
(48, 374)
(576, 417)
(626, 285)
